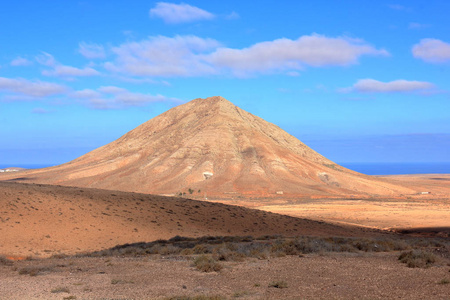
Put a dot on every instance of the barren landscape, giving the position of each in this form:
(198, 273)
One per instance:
(312, 276)
(207, 201)
(49, 233)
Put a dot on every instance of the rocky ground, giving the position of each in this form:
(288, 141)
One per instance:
(311, 276)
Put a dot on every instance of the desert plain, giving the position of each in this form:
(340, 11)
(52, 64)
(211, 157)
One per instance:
(50, 232)
(207, 201)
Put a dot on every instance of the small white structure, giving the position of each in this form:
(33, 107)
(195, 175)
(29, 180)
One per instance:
(279, 192)
(207, 175)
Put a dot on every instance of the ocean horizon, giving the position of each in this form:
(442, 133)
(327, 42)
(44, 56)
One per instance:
(378, 168)
(399, 168)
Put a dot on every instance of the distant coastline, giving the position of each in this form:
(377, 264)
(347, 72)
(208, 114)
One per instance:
(365, 168)
(399, 168)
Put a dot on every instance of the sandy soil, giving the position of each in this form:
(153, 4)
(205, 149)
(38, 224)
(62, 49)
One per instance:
(333, 276)
(383, 214)
(40, 220)
(430, 210)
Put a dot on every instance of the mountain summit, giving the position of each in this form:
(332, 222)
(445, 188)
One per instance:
(210, 145)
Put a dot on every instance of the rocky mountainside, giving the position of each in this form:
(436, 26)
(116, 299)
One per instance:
(210, 145)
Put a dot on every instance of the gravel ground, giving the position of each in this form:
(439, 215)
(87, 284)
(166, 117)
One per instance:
(329, 276)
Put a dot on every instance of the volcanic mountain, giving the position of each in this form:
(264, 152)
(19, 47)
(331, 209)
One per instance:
(210, 145)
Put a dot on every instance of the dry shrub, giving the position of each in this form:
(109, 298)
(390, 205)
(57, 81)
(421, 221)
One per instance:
(34, 271)
(201, 249)
(60, 289)
(200, 297)
(4, 261)
(280, 284)
(417, 258)
(207, 264)
(227, 252)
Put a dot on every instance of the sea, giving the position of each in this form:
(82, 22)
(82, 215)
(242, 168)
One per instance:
(365, 168)
(399, 168)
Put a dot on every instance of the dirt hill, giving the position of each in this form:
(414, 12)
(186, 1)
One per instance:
(41, 220)
(211, 146)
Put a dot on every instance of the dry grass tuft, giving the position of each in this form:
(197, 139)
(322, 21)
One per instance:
(60, 289)
(417, 258)
(206, 263)
(35, 270)
(200, 297)
(280, 284)
(4, 261)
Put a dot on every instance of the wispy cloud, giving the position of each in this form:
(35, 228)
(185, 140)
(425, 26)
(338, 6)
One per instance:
(46, 59)
(179, 13)
(20, 62)
(69, 71)
(399, 7)
(40, 110)
(396, 86)
(31, 88)
(91, 51)
(232, 16)
(414, 25)
(63, 71)
(113, 97)
(432, 50)
(194, 56)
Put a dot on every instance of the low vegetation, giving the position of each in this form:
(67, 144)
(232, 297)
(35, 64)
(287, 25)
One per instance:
(4, 261)
(418, 258)
(60, 290)
(235, 248)
(206, 263)
(200, 297)
(35, 270)
(281, 284)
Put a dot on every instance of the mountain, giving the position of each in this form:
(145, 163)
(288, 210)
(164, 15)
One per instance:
(210, 147)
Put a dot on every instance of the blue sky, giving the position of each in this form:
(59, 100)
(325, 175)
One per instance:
(358, 81)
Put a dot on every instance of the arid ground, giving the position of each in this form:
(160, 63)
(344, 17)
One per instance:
(330, 276)
(427, 212)
(42, 226)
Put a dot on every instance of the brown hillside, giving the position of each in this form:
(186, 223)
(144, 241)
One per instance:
(40, 220)
(247, 156)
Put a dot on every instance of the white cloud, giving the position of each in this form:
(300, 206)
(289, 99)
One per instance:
(20, 61)
(85, 94)
(46, 59)
(195, 56)
(232, 16)
(164, 56)
(179, 13)
(432, 50)
(91, 51)
(59, 70)
(31, 88)
(112, 97)
(69, 71)
(281, 54)
(375, 86)
(112, 90)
